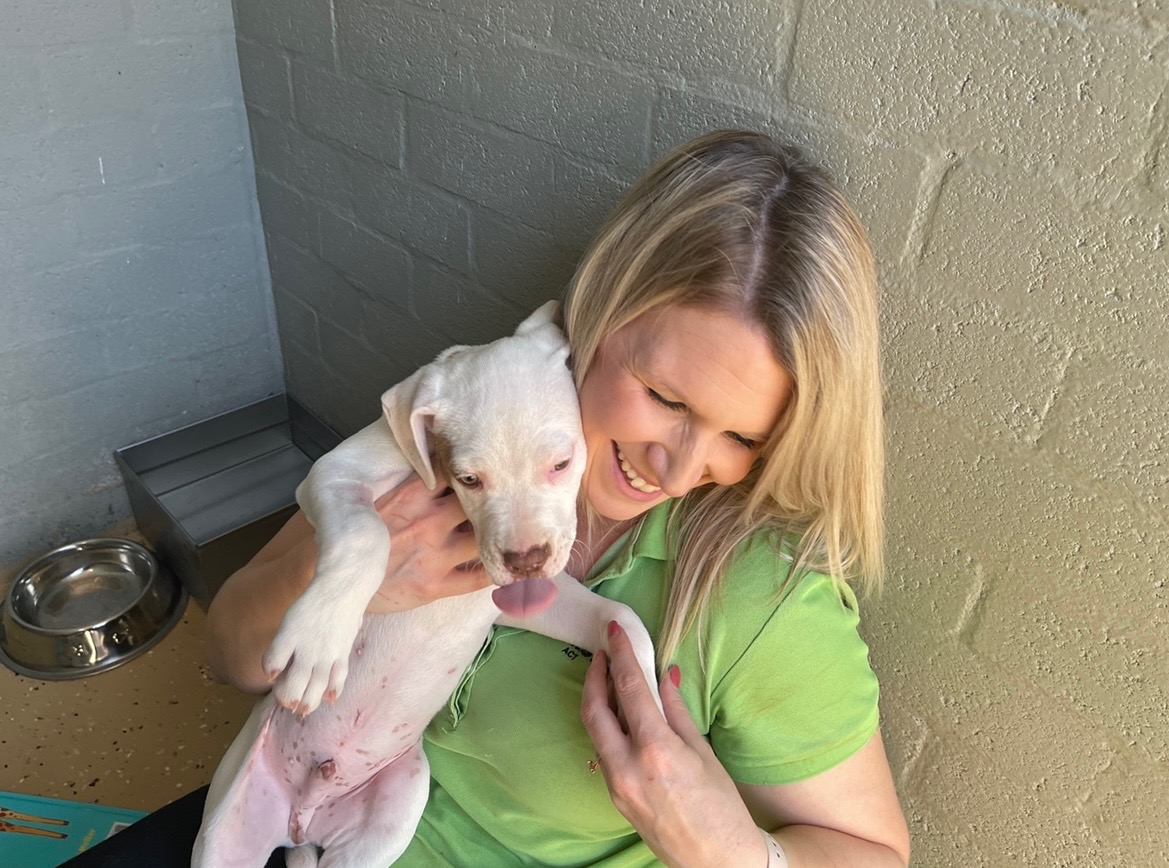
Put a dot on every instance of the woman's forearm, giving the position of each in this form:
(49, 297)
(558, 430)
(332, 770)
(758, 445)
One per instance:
(246, 612)
(820, 846)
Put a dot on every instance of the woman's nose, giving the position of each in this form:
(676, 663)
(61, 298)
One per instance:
(679, 466)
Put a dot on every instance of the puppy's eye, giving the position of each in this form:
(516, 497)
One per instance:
(468, 480)
(561, 465)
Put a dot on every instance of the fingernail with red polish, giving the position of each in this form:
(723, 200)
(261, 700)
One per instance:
(676, 676)
(614, 629)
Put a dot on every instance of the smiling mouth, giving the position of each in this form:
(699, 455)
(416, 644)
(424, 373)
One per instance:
(635, 481)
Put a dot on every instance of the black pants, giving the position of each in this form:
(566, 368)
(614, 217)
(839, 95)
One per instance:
(160, 840)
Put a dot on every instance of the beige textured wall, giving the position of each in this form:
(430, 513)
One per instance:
(429, 170)
(1022, 643)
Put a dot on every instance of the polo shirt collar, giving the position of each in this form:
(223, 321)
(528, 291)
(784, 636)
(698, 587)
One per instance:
(648, 541)
(650, 537)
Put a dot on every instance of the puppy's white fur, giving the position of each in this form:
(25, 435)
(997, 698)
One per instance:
(351, 777)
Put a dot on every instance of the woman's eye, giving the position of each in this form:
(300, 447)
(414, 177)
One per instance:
(470, 480)
(561, 465)
(672, 405)
(743, 441)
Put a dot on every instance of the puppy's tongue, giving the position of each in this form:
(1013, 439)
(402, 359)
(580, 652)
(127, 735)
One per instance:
(525, 597)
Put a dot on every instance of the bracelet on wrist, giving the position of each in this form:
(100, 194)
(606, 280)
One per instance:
(776, 858)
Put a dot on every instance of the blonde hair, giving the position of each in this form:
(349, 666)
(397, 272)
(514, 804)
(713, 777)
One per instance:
(734, 221)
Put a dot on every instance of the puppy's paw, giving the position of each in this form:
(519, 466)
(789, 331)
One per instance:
(309, 657)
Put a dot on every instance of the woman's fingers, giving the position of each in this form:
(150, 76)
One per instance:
(598, 716)
(662, 776)
(633, 693)
(677, 714)
(433, 553)
(412, 500)
(468, 576)
(461, 553)
(427, 524)
(406, 501)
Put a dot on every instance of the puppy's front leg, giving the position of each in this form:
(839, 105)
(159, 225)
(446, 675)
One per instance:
(309, 656)
(581, 617)
(310, 652)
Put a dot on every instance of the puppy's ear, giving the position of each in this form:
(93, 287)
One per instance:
(546, 314)
(543, 325)
(410, 408)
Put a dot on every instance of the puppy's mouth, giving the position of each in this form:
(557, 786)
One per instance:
(524, 597)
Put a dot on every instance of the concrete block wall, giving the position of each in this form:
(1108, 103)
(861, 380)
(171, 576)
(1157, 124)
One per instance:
(429, 171)
(133, 283)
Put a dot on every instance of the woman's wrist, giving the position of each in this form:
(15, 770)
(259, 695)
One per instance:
(776, 857)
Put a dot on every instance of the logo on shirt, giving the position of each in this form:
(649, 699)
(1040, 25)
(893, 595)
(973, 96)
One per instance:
(572, 652)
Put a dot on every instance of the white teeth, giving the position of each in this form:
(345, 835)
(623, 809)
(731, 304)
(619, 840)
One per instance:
(635, 480)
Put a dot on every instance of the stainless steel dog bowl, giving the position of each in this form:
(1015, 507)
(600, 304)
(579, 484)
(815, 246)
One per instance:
(85, 608)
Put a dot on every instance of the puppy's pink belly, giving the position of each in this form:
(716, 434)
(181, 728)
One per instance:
(323, 761)
(399, 677)
(340, 747)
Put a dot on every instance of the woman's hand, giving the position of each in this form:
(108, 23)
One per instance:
(661, 773)
(666, 780)
(432, 548)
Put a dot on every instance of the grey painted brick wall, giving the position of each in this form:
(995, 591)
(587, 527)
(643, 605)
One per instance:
(428, 171)
(133, 284)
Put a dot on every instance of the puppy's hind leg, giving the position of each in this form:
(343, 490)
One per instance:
(379, 819)
(247, 811)
(301, 857)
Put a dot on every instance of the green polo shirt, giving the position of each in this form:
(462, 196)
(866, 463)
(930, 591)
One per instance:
(787, 692)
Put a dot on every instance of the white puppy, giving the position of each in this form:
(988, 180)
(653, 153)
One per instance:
(503, 425)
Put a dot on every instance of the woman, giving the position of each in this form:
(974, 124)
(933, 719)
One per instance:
(725, 347)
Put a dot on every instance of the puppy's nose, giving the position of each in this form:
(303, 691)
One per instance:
(529, 562)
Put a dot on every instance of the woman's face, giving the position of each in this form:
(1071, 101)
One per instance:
(680, 397)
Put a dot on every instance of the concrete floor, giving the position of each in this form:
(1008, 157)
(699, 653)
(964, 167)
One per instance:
(137, 736)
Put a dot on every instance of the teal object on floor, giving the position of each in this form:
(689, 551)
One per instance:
(37, 832)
